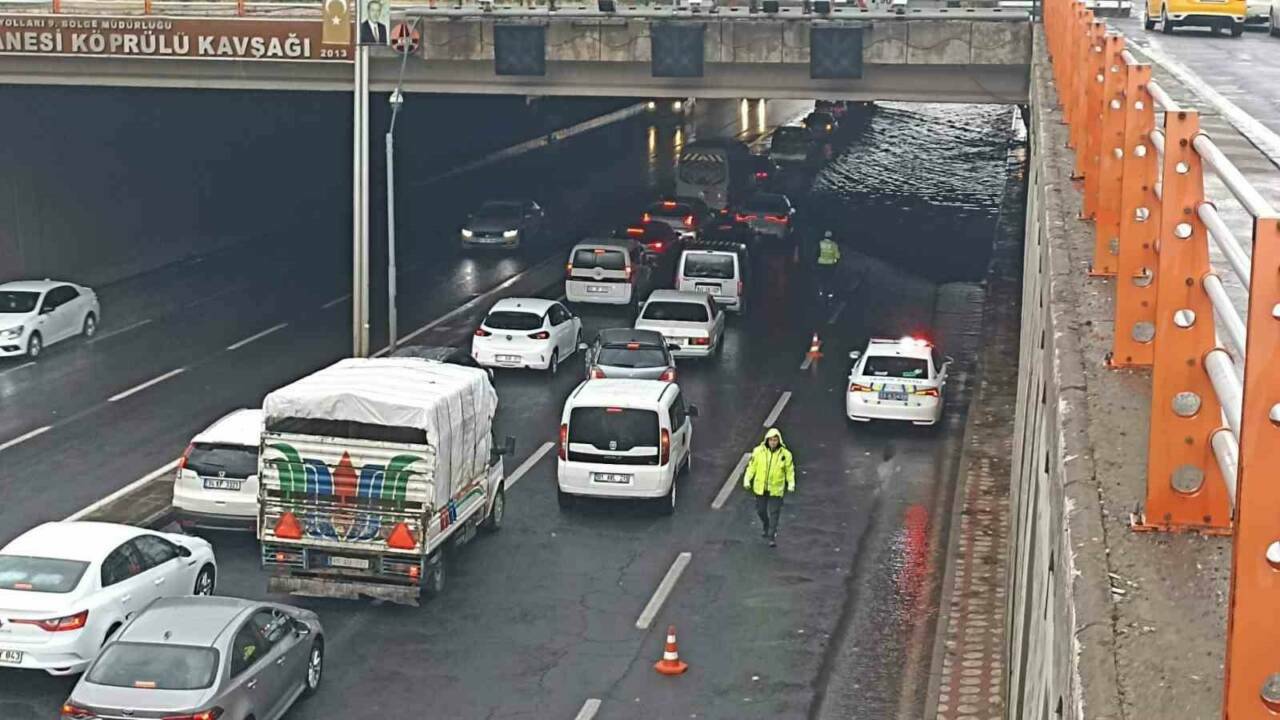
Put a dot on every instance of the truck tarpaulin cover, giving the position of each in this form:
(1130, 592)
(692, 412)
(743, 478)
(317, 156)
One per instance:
(454, 405)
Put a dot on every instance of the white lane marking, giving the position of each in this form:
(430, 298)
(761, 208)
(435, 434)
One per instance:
(259, 336)
(528, 464)
(207, 298)
(777, 409)
(120, 331)
(145, 385)
(97, 504)
(335, 301)
(467, 307)
(18, 367)
(589, 710)
(836, 315)
(664, 589)
(727, 489)
(25, 437)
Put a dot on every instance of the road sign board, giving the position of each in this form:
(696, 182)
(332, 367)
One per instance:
(404, 38)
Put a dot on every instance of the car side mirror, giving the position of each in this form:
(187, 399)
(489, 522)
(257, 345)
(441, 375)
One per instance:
(46, 310)
(692, 411)
(948, 360)
(184, 551)
(582, 347)
(300, 628)
(854, 354)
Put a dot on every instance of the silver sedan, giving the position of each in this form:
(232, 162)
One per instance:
(204, 658)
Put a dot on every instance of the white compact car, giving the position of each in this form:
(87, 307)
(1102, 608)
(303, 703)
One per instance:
(66, 587)
(526, 333)
(691, 322)
(624, 439)
(37, 313)
(216, 484)
(899, 379)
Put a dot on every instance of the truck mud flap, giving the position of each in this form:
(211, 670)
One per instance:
(344, 589)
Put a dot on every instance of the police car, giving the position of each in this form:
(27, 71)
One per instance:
(897, 379)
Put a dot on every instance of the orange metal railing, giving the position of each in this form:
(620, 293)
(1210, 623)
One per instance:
(1214, 442)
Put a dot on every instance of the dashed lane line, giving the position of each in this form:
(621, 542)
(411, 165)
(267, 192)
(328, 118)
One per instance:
(729, 484)
(18, 367)
(589, 710)
(257, 336)
(335, 301)
(103, 502)
(528, 464)
(777, 409)
(835, 315)
(25, 437)
(664, 589)
(143, 386)
(119, 331)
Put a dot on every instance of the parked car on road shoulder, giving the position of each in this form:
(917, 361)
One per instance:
(897, 379)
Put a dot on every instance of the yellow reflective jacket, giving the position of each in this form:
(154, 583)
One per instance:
(828, 252)
(771, 472)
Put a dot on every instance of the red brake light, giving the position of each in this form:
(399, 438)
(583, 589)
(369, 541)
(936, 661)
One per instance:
(481, 332)
(564, 441)
(287, 527)
(633, 346)
(668, 375)
(700, 341)
(597, 373)
(928, 392)
(668, 203)
(745, 217)
(656, 246)
(210, 714)
(628, 271)
(71, 710)
(613, 410)
(739, 288)
(402, 538)
(858, 387)
(182, 461)
(777, 218)
(568, 270)
(635, 231)
(544, 335)
(761, 174)
(666, 447)
(688, 221)
(60, 624)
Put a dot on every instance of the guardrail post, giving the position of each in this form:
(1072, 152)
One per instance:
(57, 6)
(1252, 676)
(1074, 42)
(1185, 490)
(1132, 340)
(1107, 152)
(146, 7)
(1088, 99)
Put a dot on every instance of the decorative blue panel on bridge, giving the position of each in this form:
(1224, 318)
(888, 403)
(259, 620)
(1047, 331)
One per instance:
(519, 49)
(677, 49)
(835, 52)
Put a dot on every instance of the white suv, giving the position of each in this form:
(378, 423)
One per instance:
(899, 379)
(624, 439)
(216, 485)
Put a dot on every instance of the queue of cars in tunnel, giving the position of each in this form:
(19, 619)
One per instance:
(626, 432)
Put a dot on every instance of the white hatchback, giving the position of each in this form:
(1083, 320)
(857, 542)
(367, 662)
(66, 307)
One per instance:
(691, 322)
(66, 587)
(526, 333)
(216, 485)
(897, 379)
(37, 313)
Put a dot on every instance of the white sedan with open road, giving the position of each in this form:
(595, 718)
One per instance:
(37, 313)
(66, 587)
(897, 379)
(526, 333)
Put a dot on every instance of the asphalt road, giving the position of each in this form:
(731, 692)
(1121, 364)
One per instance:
(835, 622)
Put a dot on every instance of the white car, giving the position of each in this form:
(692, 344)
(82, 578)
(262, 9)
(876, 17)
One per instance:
(900, 379)
(216, 484)
(691, 322)
(1275, 19)
(1257, 13)
(66, 587)
(526, 333)
(37, 313)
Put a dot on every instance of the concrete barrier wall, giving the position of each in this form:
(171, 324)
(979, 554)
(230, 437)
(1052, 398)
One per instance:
(1060, 630)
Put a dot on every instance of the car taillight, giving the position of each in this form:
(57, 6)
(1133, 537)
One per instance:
(628, 272)
(656, 246)
(744, 218)
(564, 442)
(60, 624)
(71, 710)
(739, 288)
(210, 714)
(597, 373)
(543, 335)
(688, 221)
(401, 538)
(668, 375)
(761, 175)
(481, 332)
(858, 387)
(928, 392)
(182, 461)
(777, 218)
(287, 527)
(666, 447)
(700, 341)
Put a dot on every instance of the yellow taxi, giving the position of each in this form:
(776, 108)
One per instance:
(1214, 14)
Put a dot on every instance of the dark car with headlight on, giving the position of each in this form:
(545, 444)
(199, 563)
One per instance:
(503, 224)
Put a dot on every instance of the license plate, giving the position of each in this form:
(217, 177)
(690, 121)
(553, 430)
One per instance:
(611, 478)
(222, 484)
(507, 358)
(598, 289)
(894, 394)
(346, 562)
(11, 657)
(708, 288)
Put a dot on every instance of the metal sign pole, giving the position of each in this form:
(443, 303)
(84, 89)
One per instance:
(360, 207)
(391, 236)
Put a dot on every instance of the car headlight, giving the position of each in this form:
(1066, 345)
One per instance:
(13, 332)
(467, 233)
(510, 233)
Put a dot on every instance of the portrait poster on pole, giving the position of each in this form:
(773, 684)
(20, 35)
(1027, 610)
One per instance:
(375, 22)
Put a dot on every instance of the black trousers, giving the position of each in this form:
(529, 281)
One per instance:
(769, 508)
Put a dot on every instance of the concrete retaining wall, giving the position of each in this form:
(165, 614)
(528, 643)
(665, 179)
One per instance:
(1060, 630)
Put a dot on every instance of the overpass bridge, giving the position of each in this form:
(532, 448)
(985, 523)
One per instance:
(948, 55)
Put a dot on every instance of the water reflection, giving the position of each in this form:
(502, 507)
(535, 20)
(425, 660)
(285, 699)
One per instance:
(744, 116)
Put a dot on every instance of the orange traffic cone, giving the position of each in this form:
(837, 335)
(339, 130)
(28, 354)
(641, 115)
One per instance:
(671, 664)
(815, 347)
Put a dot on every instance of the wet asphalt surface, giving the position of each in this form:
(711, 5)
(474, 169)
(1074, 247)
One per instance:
(835, 622)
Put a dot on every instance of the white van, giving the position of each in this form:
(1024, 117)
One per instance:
(609, 272)
(719, 270)
(216, 484)
(624, 439)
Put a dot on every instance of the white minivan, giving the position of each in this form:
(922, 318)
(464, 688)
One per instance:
(610, 272)
(719, 271)
(624, 439)
(216, 485)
